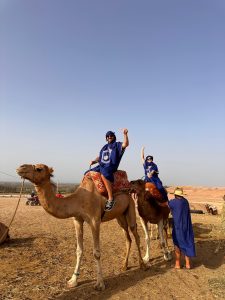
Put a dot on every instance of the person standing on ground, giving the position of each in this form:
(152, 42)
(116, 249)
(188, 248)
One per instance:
(109, 159)
(151, 173)
(182, 234)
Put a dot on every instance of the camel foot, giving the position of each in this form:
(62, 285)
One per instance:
(99, 286)
(167, 256)
(143, 266)
(146, 259)
(72, 283)
(125, 267)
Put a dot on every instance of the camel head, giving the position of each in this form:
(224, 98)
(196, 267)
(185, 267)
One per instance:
(145, 190)
(37, 174)
(137, 188)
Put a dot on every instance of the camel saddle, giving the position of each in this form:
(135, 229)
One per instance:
(3, 233)
(120, 181)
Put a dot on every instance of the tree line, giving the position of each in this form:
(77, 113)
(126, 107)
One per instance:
(15, 187)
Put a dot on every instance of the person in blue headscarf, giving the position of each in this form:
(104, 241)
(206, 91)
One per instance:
(151, 173)
(109, 159)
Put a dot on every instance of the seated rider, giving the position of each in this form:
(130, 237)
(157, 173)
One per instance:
(109, 159)
(151, 173)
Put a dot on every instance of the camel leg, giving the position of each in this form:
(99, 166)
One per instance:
(95, 228)
(153, 231)
(131, 220)
(165, 230)
(123, 223)
(144, 225)
(79, 234)
(163, 242)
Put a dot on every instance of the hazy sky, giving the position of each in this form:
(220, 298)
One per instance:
(72, 70)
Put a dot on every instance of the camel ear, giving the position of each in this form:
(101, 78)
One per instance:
(51, 171)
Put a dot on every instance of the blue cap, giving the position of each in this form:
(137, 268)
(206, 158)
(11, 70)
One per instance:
(109, 133)
(149, 157)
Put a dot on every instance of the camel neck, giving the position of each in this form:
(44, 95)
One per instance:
(57, 207)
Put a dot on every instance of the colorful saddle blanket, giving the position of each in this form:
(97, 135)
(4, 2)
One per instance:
(120, 181)
(149, 186)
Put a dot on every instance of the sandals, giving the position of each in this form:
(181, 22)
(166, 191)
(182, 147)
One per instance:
(109, 204)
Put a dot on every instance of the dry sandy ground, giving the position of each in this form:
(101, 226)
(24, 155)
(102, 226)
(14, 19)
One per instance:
(41, 255)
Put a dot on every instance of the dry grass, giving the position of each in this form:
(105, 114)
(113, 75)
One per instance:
(41, 255)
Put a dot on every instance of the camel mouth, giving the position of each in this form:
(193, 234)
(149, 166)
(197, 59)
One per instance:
(21, 173)
(22, 176)
(133, 190)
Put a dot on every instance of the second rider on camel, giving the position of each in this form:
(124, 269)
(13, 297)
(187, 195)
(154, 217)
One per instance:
(109, 159)
(151, 173)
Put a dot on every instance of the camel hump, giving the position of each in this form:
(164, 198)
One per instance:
(120, 181)
(3, 233)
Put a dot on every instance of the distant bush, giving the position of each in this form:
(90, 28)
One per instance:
(67, 188)
(15, 187)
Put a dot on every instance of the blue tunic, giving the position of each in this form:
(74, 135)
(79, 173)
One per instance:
(109, 160)
(149, 167)
(183, 235)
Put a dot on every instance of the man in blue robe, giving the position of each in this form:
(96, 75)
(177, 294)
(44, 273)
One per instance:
(151, 173)
(109, 160)
(182, 234)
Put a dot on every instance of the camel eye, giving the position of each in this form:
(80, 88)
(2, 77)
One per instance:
(38, 169)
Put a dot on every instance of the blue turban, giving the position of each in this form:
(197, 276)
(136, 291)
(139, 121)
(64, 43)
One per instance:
(110, 133)
(149, 157)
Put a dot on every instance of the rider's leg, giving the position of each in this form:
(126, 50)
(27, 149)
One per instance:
(110, 202)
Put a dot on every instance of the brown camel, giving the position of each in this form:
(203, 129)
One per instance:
(85, 205)
(147, 197)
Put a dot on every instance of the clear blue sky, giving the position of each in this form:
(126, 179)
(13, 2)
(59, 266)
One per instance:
(72, 70)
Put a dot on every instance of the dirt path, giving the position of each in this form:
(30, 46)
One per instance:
(41, 255)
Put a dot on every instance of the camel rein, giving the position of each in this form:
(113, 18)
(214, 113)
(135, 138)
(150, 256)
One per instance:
(7, 229)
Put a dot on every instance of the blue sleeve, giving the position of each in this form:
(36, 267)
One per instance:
(120, 148)
(171, 204)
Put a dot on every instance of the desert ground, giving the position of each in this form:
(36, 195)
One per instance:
(40, 256)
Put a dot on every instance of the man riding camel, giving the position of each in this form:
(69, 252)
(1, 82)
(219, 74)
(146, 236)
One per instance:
(109, 159)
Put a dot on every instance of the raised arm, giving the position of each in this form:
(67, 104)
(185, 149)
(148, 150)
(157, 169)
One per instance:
(143, 154)
(125, 139)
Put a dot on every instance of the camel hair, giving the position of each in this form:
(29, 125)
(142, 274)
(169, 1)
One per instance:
(147, 197)
(84, 205)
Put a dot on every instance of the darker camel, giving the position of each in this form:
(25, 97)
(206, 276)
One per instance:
(147, 197)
